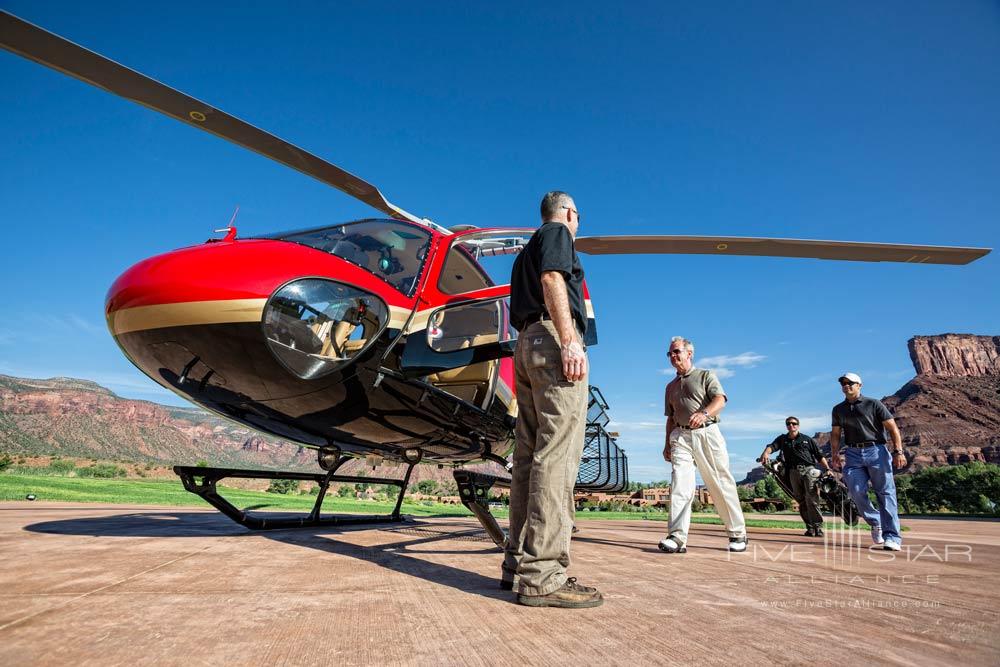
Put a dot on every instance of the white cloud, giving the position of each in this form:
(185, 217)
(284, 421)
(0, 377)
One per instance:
(723, 364)
(770, 422)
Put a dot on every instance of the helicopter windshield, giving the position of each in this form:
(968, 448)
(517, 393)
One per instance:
(392, 250)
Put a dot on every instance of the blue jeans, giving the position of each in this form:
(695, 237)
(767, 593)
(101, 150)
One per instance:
(864, 464)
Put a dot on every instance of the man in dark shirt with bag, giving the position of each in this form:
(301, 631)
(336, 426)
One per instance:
(801, 457)
(551, 372)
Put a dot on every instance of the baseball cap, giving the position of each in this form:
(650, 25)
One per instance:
(853, 377)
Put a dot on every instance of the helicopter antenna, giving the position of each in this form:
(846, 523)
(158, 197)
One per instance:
(230, 229)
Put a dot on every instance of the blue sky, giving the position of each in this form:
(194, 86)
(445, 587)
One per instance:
(855, 121)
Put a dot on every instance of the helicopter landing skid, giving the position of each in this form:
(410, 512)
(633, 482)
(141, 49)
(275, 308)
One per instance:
(474, 490)
(202, 482)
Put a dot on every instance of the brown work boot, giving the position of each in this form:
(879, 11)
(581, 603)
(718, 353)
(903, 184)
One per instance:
(571, 596)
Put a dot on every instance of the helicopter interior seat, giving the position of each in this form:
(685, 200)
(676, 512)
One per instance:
(470, 327)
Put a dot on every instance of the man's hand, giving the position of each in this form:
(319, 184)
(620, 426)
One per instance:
(574, 360)
(763, 459)
(697, 420)
(666, 453)
(899, 461)
(835, 463)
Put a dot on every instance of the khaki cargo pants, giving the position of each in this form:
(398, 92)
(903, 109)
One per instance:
(551, 418)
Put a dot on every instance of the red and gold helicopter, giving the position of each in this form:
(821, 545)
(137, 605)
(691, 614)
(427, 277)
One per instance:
(384, 337)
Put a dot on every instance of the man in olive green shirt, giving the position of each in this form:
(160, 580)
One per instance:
(693, 401)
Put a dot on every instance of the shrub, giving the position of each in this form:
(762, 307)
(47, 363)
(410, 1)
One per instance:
(101, 470)
(283, 486)
(202, 463)
(345, 491)
(5, 462)
(61, 466)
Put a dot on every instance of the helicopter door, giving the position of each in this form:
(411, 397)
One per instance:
(464, 343)
(460, 349)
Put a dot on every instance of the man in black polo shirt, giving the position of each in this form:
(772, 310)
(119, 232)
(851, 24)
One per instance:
(800, 455)
(550, 374)
(863, 422)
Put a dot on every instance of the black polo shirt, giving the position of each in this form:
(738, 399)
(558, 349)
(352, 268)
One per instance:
(800, 451)
(861, 421)
(549, 249)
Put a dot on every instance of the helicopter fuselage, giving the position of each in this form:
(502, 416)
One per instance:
(303, 339)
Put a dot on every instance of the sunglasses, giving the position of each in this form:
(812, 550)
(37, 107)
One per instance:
(791, 423)
(672, 353)
(847, 383)
(570, 208)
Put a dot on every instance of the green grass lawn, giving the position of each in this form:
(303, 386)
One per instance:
(171, 492)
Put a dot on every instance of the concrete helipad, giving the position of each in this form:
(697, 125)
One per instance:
(99, 584)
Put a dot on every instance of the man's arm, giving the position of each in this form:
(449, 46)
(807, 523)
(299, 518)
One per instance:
(713, 408)
(818, 454)
(574, 357)
(765, 454)
(835, 448)
(898, 459)
(666, 445)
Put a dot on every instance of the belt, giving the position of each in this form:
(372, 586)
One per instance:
(862, 445)
(535, 318)
(694, 428)
(542, 317)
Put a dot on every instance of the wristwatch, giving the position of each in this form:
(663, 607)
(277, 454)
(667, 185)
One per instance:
(898, 451)
(705, 412)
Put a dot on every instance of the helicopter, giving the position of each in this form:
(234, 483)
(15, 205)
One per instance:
(387, 337)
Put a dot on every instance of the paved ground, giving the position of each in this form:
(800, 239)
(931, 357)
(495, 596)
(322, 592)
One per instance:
(99, 584)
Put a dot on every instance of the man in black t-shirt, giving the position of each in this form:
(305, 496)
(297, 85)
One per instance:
(801, 457)
(550, 374)
(864, 422)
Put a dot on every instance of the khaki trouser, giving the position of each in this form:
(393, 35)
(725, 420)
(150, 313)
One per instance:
(551, 418)
(804, 491)
(706, 448)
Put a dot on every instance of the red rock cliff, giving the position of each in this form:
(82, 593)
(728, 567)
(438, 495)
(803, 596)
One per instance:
(956, 355)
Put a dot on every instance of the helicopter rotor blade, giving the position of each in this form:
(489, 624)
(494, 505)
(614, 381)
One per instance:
(767, 247)
(46, 48)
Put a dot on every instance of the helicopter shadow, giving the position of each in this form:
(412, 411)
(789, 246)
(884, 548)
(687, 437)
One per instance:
(397, 555)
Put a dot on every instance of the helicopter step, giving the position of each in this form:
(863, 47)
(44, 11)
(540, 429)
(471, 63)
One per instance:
(202, 481)
(474, 490)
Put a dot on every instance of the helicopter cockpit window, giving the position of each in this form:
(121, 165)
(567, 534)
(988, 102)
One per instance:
(394, 251)
(316, 326)
(481, 259)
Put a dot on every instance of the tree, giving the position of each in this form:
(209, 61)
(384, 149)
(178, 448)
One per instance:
(970, 487)
(427, 487)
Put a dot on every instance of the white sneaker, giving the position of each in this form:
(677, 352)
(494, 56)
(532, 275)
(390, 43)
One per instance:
(877, 535)
(672, 545)
(738, 543)
(892, 545)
